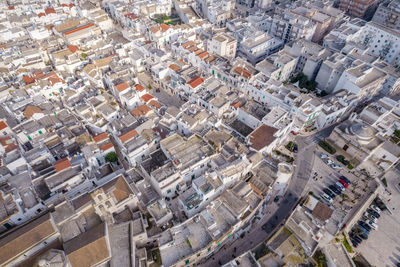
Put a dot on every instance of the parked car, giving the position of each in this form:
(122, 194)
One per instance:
(295, 148)
(379, 203)
(360, 233)
(363, 236)
(376, 214)
(372, 224)
(326, 197)
(344, 178)
(335, 166)
(328, 161)
(329, 193)
(343, 183)
(371, 217)
(340, 186)
(354, 242)
(335, 189)
(353, 235)
(293, 132)
(324, 156)
(363, 229)
(375, 208)
(365, 226)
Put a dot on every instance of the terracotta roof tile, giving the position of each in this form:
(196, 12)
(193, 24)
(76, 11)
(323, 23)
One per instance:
(28, 79)
(144, 109)
(209, 59)
(155, 104)
(100, 137)
(164, 27)
(203, 55)
(62, 164)
(128, 136)
(50, 10)
(3, 125)
(5, 141)
(41, 14)
(139, 87)
(187, 44)
(122, 86)
(198, 51)
(154, 29)
(242, 72)
(237, 105)
(174, 67)
(89, 248)
(30, 110)
(136, 113)
(322, 212)
(11, 147)
(73, 48)
(26, 237)
(106, 146)
(79, 28)
(147, 97)
(193, 48)
(262, 137)
(196, 81)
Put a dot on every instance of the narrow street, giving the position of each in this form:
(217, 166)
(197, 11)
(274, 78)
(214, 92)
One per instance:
(276, 212)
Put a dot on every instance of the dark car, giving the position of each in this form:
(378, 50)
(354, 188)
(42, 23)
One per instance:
(379, 203)
(354, 243)
(363, 236)
(357, 238)
(295, 148)
(360, 233)
(335, 189)
(344, 178)
(329, 193)
(363, 229)
(365, 226)
(376, 214)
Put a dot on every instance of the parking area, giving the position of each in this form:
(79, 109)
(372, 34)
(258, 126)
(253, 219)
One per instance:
(347, 196)
(382, 248)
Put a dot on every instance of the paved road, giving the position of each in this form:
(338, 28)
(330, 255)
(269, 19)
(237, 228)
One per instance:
(276, 213)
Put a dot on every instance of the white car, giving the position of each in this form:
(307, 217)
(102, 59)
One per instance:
(335, 166)
(340, 186)
(326, 197)
(324, 156)
(375, 208)
(372, 224)
(370, 217)
(329, 161)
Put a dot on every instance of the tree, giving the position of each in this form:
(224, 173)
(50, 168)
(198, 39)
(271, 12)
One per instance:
(111, 157)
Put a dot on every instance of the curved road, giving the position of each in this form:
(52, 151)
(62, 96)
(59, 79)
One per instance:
(276, 213)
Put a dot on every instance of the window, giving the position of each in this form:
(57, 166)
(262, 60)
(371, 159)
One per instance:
(100, 197)
(108, 204)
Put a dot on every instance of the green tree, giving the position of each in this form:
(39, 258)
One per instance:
(111, 157)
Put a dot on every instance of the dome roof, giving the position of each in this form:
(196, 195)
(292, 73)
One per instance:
(362, 131)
